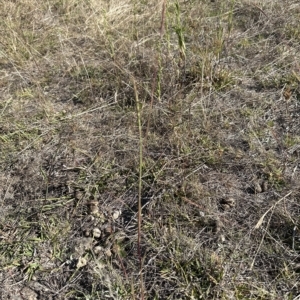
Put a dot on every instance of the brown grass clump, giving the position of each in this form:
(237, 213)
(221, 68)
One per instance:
(191, 108)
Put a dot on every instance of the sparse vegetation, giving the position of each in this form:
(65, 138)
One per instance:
(150, 149)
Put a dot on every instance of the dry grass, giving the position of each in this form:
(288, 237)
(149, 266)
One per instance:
(218, 83)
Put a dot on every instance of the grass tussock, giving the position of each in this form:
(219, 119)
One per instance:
(149, 149)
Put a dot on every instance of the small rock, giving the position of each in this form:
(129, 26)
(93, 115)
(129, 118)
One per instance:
(96, 232)
(81, 262)
(107, 252)
(116, 214)
(98, 250)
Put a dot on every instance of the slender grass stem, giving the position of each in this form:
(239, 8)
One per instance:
(140, 186)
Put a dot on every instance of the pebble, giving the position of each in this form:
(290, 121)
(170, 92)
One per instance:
(96, 232)
(98, 250)
(116, 214)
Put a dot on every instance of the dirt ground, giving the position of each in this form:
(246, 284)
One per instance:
(191, 108)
